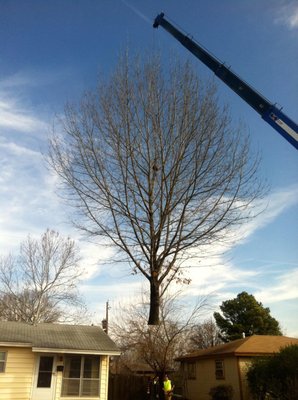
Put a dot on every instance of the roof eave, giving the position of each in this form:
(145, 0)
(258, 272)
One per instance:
(15, 344)
(55, 350)
(76, 351)
(223, 355)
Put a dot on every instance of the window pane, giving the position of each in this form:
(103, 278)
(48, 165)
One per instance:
(219, 369)
(91, 367)
(46, 364)
(81, 376)
(70, 387)
(71, 376)
(2, 361)
(72, 367)
(90, 387)
(75, 367)
(44, 380)
(45, 372)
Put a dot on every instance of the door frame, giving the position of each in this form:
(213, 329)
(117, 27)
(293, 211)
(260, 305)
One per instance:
(38, 393)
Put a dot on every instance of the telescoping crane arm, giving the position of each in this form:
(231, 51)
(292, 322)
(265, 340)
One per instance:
(268, 111)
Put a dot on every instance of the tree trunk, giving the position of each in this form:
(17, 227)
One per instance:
(154, 301)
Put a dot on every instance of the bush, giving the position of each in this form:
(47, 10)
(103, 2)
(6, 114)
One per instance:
(221, 392)
(275, 377)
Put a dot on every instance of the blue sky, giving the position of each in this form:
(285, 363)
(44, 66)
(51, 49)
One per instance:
(51, 51)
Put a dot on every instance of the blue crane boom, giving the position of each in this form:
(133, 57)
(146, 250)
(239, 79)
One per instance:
(268, 111)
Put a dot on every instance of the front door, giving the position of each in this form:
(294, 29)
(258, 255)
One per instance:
(44, 383)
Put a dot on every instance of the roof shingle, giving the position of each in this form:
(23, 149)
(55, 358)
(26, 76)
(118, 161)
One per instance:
(57, 336)
(252, 345)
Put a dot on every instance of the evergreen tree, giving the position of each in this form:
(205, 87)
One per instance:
(244, 315)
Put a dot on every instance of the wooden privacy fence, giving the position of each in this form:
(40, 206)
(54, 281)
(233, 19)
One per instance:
(127, 387)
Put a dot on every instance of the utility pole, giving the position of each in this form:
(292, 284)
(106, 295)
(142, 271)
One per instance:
(107, 316)
(105, 322)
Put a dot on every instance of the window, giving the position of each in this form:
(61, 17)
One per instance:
(2, 361)
(191, 370)
(81, 376)
(219, 369)
(44, 379)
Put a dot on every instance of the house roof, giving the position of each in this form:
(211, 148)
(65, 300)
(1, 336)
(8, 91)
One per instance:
(57, 337)
(141, 368)
(251, 346)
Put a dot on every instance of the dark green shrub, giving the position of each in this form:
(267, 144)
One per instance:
(275, 377)
(221, 392)
(257, 378)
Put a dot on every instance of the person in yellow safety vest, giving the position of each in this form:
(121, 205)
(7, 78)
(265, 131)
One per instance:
(167, 387)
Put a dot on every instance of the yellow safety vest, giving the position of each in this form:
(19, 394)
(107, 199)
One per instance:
(167, 385)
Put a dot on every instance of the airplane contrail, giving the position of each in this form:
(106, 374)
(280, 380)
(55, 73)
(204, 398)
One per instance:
(136, 11)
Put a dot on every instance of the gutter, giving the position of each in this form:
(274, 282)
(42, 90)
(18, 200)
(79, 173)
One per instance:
(58, 351)
(76, 351)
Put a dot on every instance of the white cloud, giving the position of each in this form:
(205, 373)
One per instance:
(31, 78)
(118, 293)
(273, 206)
(284, 288)
(14, 116)
(294, 19)
(93, 256)
(217, 274)
(17, 150)
(16, 111)
(287, 14)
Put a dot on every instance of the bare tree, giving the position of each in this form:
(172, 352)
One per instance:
(151, 162)
(35, 285)
(204, 335)
(20, 307)
(157, 345)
